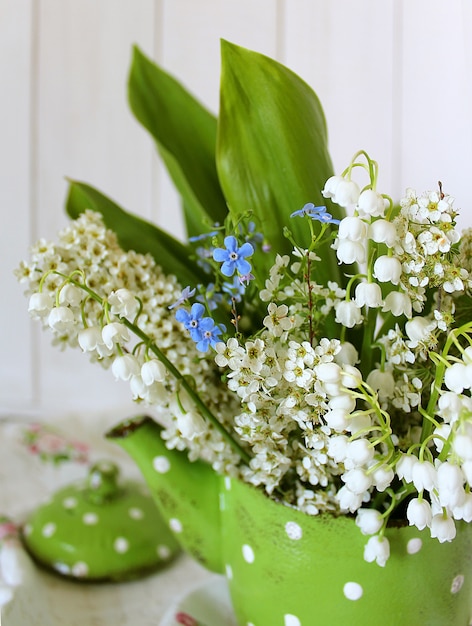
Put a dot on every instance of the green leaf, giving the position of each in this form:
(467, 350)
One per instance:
(186, 136)
(134, 233)
(272, 155)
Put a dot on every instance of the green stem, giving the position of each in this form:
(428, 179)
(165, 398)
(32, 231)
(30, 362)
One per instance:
(170, 367)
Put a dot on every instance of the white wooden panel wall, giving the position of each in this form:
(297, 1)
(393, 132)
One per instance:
(394, 77)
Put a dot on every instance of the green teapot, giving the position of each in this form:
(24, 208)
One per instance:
(100, 529)
(285, 568)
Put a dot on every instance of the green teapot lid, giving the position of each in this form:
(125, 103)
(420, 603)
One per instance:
(100, 529)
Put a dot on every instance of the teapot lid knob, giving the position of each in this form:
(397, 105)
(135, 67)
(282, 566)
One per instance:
(102, 482)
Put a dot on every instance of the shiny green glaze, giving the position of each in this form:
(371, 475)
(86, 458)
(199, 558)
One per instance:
(288, 569)
(100, 529)
(186, 493)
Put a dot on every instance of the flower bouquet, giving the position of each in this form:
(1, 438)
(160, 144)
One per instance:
(312, 338)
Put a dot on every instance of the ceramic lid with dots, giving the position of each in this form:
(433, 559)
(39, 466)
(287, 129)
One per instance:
(100, 529)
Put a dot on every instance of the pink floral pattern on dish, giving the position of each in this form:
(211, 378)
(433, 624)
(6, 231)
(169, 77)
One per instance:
(186, 620)
(50, 446)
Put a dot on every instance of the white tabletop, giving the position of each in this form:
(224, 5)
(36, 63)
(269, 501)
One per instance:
(47, 600)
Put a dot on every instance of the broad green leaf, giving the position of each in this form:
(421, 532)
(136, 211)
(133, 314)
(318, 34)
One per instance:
(186, 135)
(135, 233)
(272, 155)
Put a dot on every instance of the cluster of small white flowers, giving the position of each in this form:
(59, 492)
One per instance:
(134, 288)
(426, 233)
(327, 429)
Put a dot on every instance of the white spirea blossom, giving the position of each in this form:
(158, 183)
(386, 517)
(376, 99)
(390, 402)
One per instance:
(87, 248)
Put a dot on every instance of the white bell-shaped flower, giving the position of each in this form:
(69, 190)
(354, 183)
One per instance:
(464, 510)
(328, 372)
(450, 484)
(359, 452)
(123, 302)
(347, 354)
(113, 333)
(337, 447)
(357, 480)
(125, 366)
(371, 203)
(398, 303)
(387, 269)
(458, 377)
(347, 193)
(153, 371)
(377, 549)
(381, 382)
(370, 521)
(352, 228)
(462, 446)
(348, 313)
(443, 528)
(70, 295)
(369, 295)
(61, 318)
(331, 186)
(349, 251)
(348, 500)
(383, 231)
(404, 467)
(424, 475)
(419, 513)
(90, 338)
(40, 304)
(418, 330)
(343, 401)
(382, 477)
(191, 424)
(351, 377)
(337, 419)
(450, 406)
